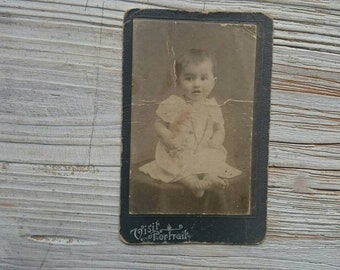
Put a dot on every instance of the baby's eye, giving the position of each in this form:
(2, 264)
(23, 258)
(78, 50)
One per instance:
(188, 78)
(204, 78)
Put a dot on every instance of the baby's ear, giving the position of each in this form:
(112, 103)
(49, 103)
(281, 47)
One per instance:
(215, 79)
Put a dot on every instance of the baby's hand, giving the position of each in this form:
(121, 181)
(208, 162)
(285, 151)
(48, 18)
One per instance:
(174, 147)
(174, 152)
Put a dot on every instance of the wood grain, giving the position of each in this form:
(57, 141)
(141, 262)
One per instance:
(60, 104)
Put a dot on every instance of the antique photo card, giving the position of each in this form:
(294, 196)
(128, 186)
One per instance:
(196, 99)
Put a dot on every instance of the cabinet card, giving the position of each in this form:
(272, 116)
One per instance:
(196, 100)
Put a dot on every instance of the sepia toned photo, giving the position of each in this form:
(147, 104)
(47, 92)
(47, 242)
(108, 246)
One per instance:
(191, 117)
(195, 126)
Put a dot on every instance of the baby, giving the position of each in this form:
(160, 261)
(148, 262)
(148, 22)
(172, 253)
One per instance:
(190, 127)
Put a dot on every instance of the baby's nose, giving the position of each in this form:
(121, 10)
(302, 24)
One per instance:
(197, 82)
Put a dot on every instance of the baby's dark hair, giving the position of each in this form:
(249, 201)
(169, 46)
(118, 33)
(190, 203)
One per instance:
(193, 56)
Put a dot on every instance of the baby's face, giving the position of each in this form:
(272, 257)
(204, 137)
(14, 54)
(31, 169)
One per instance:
(197, 80)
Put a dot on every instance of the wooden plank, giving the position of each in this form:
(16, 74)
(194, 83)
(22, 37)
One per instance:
(56, 193)
(60, 103)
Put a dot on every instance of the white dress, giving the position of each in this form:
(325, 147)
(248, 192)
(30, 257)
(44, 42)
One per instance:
(193, 126)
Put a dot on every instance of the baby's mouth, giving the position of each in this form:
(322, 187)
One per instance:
(197, 92)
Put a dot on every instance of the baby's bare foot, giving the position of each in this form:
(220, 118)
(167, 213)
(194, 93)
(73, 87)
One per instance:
(197, 186)
(226, 183)
(217, 181)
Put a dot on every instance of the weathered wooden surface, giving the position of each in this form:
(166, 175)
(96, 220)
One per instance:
(60, 74)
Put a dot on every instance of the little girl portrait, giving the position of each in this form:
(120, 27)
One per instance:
(195, 126)
(190, 129)
(192, 96)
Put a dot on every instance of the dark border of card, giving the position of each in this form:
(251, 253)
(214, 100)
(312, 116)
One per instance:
(223, 229)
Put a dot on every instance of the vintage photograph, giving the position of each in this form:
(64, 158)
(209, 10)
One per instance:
(192, 99)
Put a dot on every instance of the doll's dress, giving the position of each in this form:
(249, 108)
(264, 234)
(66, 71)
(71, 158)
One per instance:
(193, 126)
